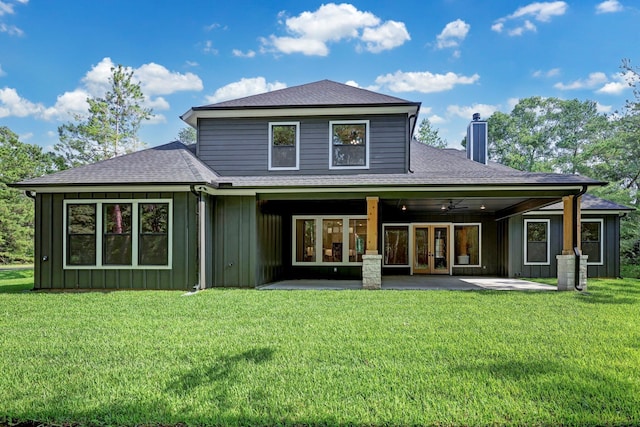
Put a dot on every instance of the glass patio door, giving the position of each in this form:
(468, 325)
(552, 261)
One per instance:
(431, 249)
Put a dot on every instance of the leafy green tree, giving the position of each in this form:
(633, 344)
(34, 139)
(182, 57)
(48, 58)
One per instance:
(111, 127)
(187, 135)
(428, 135)
(19, 161)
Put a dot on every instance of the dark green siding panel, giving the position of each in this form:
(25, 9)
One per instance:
(235, 241)
(270, 250)
(49, 243)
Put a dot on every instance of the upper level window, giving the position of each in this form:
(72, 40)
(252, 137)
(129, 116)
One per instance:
(591, 240)
(536, 242)
(349, 144)
(117, 234)
(284, 142)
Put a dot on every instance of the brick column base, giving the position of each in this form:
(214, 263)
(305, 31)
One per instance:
(567, 272)
(371, 271)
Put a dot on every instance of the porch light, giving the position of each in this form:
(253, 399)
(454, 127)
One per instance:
(482, 207)
(443, 208)
(404, 207)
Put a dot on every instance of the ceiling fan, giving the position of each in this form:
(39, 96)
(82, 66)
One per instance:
(453, 206)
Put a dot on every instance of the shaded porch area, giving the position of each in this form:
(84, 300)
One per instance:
(423, 283)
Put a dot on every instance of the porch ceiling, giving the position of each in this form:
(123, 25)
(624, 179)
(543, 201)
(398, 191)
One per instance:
(500, 206)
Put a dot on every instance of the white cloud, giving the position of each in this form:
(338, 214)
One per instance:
(538, 11)
(352, 83)
(241, 54)
(6, 8)
(244, 87)
(603, 108)
(385, 37)
(191, 63)
(2, 72)
(424, 82)
(157, 80)
(12, 30)
(592, 81)
(453, 34)
(609, 6)
(620, 83)
(310, 32)
(154, 79)
(436, 119)
(466, 112)
(512, 102)
(549, 73)
(208, 48)
(527, 26)
(12, 104)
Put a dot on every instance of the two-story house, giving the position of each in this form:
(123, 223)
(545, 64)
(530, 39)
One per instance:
(317, 180)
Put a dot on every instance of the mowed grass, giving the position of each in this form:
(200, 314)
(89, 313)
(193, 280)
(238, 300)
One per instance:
(247, 357)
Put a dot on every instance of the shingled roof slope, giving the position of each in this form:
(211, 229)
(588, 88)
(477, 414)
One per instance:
(590, 202)
(321, 93)
(172, 163)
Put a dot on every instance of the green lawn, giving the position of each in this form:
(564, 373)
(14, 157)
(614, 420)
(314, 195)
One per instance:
(246, 357)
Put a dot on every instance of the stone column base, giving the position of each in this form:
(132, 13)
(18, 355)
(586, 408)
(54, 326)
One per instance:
(567, 272)
(371, 271)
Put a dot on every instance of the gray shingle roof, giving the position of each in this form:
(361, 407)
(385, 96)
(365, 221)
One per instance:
(175, 163)
(322, 93)
(172, 163)
(592, 203)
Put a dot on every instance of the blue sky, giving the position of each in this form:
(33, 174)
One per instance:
(456, 57)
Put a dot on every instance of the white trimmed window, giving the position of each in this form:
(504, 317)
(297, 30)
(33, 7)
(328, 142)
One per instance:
(329, 240)
(591, 240)
(536, 242)
(349, 144)
(284, 143)
(117, 234)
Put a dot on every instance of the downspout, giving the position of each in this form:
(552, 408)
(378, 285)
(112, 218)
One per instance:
(202, 251)
(410, 140)
(574, 239)
(30, 194)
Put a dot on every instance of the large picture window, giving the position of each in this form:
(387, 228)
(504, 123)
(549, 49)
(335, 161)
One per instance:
(536, 241)
(117, 234)
(466, 245)
(329, 239)
(349, 144)
(591, 240)
(284, 153)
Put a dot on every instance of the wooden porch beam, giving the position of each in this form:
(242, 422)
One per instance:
(372, 226)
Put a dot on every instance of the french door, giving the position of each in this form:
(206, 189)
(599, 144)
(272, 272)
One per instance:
(431, 249)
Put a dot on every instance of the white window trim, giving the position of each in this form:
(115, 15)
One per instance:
(318, 246)
(297, 145)
(366, 145)
(548, 222)
(409, 242)
(134, 234)
(601, 221)
(455, 259)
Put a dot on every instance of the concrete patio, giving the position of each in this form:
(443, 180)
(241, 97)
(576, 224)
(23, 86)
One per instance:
(451, 283)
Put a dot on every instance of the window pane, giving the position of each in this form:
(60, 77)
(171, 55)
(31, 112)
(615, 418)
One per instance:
(116, 243)
(332, 240)
(396, 245)
(153, 244)
(81, 234)
(349, 144)
(467, 244)
(305, 240)
(537, 242)
(591, 241)
(283, 146)
(357, 239)
(153, 249)
(81, 249)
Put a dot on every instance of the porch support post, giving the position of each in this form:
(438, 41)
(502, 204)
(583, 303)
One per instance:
(372, 260)
(570, 274)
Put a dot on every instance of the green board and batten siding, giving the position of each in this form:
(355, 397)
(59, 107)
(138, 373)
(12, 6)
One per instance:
(50, 274)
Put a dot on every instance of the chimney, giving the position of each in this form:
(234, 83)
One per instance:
(477, 137)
